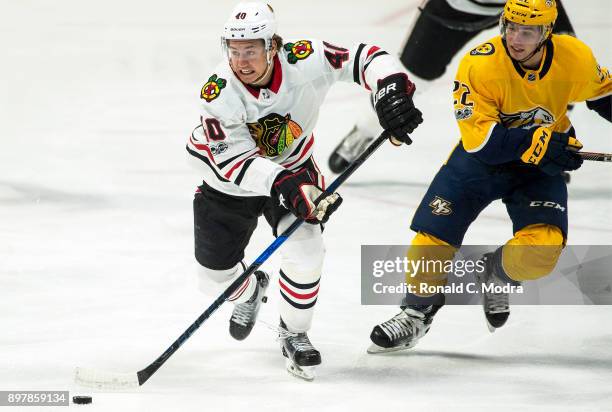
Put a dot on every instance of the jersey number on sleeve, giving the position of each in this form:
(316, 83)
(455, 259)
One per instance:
(335, 55)
(213, 129)
(461, 93)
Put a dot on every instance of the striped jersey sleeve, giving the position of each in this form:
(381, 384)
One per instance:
(363, 64)
(226, 153)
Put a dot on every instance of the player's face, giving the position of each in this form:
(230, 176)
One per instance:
(248, 59)
(522, 40)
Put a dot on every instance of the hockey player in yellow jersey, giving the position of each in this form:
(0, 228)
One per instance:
(510, 100)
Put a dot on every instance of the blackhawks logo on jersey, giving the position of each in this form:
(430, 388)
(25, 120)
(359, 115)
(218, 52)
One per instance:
(274, 133)
(212, 88)
(298, 50)
(527, 119)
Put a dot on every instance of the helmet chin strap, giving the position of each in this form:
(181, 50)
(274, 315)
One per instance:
(533, 53)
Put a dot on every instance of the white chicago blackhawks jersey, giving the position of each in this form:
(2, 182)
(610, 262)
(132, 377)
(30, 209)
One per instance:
(248, 135)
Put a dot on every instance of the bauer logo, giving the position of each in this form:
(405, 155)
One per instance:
(486, 49)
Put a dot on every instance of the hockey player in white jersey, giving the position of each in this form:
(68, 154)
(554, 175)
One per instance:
(254, 148)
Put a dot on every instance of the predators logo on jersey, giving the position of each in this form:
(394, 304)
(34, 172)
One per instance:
(212, 88)
(274, 133)
(298, 51)
(528, 119)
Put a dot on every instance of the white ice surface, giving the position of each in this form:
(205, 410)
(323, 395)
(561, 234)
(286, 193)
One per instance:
(96, 261)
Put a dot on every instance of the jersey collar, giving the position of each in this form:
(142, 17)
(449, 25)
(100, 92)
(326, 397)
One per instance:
(538, 74)
(275, 83)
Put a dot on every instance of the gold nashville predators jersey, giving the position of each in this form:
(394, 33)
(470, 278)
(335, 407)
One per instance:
(491, 90)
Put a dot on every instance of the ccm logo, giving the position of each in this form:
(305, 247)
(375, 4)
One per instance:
(541, 203)
(385, 91)
(518, 13)
(537, 151)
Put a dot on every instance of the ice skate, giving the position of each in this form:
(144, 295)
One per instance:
(244, 314)
(496, 306)
(301, 357)
(404, 330)
(351, 146)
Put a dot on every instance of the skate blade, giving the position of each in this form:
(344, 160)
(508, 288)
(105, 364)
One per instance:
(375, 349)
(491, 328)
(303, 372)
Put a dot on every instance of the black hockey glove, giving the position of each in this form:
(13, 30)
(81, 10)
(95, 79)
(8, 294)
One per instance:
(552, 152)
(298, 192)
(395, 108)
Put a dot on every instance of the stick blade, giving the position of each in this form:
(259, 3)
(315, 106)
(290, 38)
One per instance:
(93, 378)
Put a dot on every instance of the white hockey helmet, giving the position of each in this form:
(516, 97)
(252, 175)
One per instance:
(250, 21)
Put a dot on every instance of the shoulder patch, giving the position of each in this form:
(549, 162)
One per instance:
(298, 51)
(485, 49)
(212, 88)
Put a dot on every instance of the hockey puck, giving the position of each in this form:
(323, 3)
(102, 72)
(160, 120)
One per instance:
(81, 400)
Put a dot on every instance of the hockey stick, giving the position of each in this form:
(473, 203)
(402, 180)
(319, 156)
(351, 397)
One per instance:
(596, 157)
(109, 380)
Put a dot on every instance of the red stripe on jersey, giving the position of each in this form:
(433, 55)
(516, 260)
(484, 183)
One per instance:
(237, 165)
(364, 81)
(304, 151)
(298, 295)
(204, 147)
(372, 50)
(320, 176)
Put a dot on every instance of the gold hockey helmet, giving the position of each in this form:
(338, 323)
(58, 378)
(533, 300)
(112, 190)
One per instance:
(531, 12)
(541, 13)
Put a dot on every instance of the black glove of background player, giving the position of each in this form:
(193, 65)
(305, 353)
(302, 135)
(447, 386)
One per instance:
(298, 191)
(395, 108)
